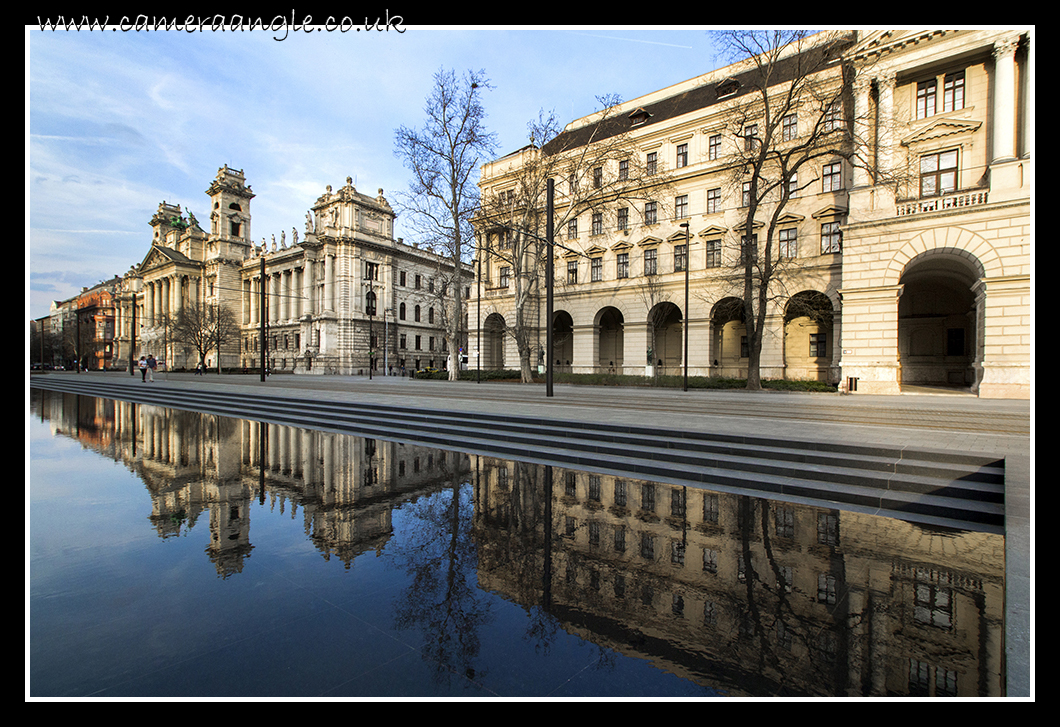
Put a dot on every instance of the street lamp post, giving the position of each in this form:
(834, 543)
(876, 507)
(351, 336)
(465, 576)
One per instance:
(688, 264)
(549, 283)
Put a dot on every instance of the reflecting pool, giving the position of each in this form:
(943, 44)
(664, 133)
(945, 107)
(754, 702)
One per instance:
(176, 553)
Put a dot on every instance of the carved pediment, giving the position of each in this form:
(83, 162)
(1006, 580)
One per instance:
(621, 246)
(712, 231)
(595, 250)
(830, 211)
(940, 129)
(649, 241)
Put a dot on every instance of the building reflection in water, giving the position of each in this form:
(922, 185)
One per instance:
(746, 595)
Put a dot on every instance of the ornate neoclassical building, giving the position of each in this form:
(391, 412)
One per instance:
(346, 293)
(910, 267)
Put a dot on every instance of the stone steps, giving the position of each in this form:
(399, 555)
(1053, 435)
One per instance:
(932, 487)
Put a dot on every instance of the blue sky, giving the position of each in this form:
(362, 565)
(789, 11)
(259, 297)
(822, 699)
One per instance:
(118, 121)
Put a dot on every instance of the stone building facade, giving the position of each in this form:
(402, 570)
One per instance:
(311, 296)
(911, 266)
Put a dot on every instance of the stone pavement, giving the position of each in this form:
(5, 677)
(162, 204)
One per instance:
(924, 420)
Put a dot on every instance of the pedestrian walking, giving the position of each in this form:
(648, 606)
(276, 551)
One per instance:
(143, 369)
(151, 364)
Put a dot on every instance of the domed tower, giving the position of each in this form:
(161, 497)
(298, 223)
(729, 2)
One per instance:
(230, 214)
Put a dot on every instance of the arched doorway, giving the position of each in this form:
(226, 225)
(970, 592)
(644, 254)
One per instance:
(563, 340)
(665, 322)
(937, 336)
(609, 327)
(728, 338)
(808, 337)
(493, 342)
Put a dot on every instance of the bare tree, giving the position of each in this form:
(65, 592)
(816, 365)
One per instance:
(205, 327)
(444, 156)
(594, 169)
(795, 115)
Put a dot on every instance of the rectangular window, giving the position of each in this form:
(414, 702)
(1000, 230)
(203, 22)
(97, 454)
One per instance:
(596, 266)
(371, 271)
(789, 127)
(925, 98)
(419, 344)
(623, 169)
(833, 117)
(832, 177)
(748, 248)
(831, 238)
(401, 277)
(745, 196)
(623, 218)
(789, 243)
(750, 137)
(505, 272)
(598, 223)
(818, 345)
(714, 147)
(623, 265)
(680, 258)
(651, 261)
(681, 207)
(710, 508)
(938, 173)
(682, 155)
(403, 341)
(653, 162)
(572, 272)
(713, 200)
(620, 493)
(419, 282)
(785, 522)
(953, 91)
(598, 177)
(793, 184)
(572, 229)
(650, 213)
(714, 253)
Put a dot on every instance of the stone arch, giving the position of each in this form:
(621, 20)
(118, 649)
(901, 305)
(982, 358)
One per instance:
(609, 326)
(562, 340)
(665, 324)
(945, 240)
(493, 340)
(728, 333)
(939, 341)
(809, 336)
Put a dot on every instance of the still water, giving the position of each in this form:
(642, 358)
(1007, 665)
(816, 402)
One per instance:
(181, 554)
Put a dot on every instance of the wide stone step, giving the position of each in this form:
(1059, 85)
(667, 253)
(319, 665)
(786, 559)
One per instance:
(944, 488)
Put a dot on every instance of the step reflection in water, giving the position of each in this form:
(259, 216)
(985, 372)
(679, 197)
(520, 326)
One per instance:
(743, 594)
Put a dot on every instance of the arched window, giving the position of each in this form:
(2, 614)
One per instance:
(430, 315)
(401, 312)
(417, 314)
(369, 303)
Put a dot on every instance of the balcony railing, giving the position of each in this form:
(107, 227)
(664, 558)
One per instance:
(966, 198)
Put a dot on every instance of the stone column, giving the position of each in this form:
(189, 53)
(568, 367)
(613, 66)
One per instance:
(870, 339)
(862, 128)
(329, 283)
(1004, 112)
(885, 131)
(586, 349)
(307, 287)
(285, 295)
